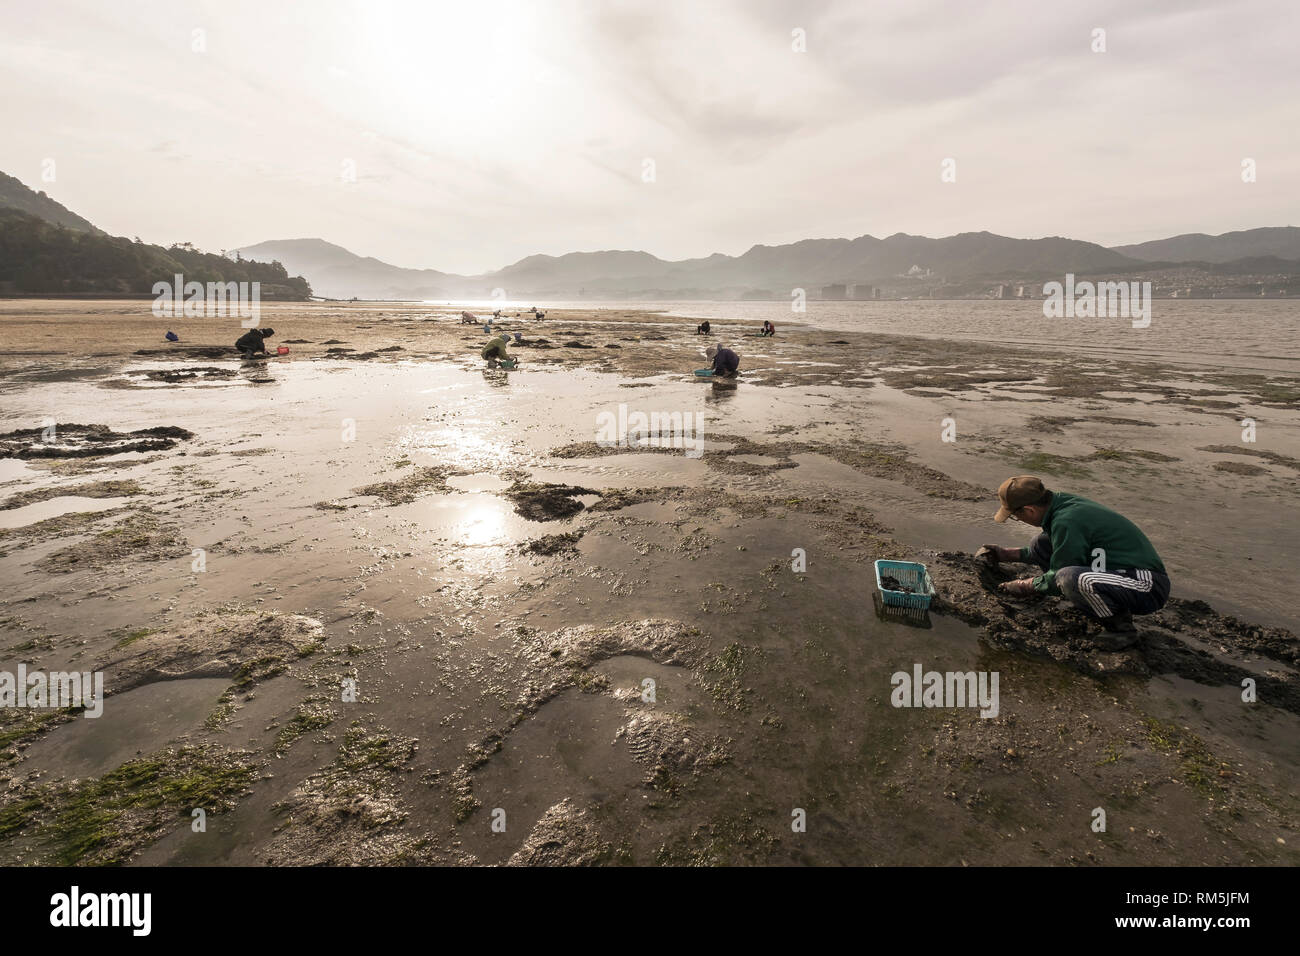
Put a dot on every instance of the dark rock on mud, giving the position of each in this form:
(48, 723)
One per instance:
(188, 374)
(1171, 641)
(546, 502)
(1042, 626)
(419, 482)
(554, 543)
(193, 351)
(1229, 633)
(70, 440)
(578, 345)
(613, 499)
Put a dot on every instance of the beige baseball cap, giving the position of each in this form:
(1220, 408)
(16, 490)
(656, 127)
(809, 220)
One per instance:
(1015, 493)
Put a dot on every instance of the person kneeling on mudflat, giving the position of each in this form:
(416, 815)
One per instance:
(251, 342)
(725, 362)
(1095, 557)
(496, 350)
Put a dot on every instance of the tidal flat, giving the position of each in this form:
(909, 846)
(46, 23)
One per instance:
(373, 603)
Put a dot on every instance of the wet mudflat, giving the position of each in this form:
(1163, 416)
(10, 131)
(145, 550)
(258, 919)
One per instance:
(401, 609)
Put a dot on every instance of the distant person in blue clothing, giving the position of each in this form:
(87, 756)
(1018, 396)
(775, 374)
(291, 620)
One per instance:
(726, 363)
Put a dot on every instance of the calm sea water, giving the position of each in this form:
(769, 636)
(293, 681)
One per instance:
(1228, 333)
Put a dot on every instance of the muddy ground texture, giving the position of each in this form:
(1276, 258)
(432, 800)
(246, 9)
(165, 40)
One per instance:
(515, 692)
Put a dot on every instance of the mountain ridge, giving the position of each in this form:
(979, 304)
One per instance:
(14, 194)
(958, 261)
(806, 262)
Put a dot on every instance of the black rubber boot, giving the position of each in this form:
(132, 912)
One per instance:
(1119, 623)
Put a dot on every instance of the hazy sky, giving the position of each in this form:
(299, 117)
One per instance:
(481, 132)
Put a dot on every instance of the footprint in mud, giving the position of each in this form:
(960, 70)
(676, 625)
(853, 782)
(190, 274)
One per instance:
(566, 835)
(588, 748)
(243, 646)
(589, 733)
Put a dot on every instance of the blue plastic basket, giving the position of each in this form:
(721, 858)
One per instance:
(704, 372)
(909, 573)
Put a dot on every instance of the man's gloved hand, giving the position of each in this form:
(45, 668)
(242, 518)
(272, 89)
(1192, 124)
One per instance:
(994, 553)
(1022, 588)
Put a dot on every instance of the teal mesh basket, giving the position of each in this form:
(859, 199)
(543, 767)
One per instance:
(909, 574)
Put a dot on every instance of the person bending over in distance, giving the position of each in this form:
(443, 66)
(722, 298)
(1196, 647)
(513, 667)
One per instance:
(495, 350)
(1096, 557)
(253, 341)
(702, 328)
(726, 363)
(768, 329)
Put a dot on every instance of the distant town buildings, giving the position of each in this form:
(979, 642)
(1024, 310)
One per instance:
(836, 291)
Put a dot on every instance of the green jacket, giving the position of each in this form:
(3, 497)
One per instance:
(1076, 526)
(496, 348)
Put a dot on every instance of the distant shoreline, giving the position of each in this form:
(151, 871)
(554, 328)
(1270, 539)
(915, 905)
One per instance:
(146, 297)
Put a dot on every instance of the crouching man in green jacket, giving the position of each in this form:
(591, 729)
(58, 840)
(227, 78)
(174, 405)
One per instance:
(495, 350)
(1095, 557)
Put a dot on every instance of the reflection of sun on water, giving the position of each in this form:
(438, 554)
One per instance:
(483, 525)
(462, 447)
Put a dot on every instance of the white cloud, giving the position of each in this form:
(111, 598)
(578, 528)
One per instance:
(485, 132)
